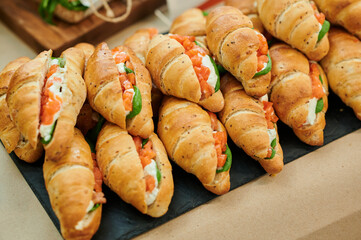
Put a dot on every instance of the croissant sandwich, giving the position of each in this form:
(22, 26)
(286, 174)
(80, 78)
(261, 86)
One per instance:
(71, 11)
(139, 41)
(299, 93)
(136, 169)
(251, 124)
(343, 12)
(44, 98)
(240, 49)
(9, 134)
(74, 185)
(182, 68)
(297, 23)
(197, 142)
(248, 8)
(343, 68)
(190, 23)
(119, 88)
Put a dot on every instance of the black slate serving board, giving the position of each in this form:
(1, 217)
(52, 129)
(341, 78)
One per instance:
(122, 221)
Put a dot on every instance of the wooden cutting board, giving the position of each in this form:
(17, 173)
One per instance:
(22, 17)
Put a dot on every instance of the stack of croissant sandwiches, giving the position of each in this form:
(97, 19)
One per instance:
(231, 72)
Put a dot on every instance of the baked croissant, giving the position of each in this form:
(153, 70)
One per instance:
(239, 49)
(45, 96)
(119, 88)
(136, 169)
(139, 41)
(297, 23)
(181, 68)
(9, 134)
(343, 68)
(196, 142)
(190, 23)
(299, 93)
(248, 8)
(74, 185)
(88, 50)
(343, 12)
(251, 124)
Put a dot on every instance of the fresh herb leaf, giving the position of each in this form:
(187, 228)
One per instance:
(273, 154)
(218, 83)
(73, 5)
(137, 103)
(273, 143)
(325, 27)
(267, 68)
(320, 79)
(43, 141)
(205, 13)
(221, 69)
(228, 163)
(319, 105)
(159, 175)
(128, 70)
(93, 133)
(94, 207)
(144, 142)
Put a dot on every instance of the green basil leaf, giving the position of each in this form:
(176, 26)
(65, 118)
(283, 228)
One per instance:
(94, 207)
(270, 42)
(325, 27)
(159, 175)
(218, 83)
(93, 133)
(273, 143)
(221, 69)
(137, 103)
(273, 154)
(61, 61)
(205, 13)
(320, 79)
(73, 5)
(319, 105)
(144, 142)
(228, 163)
(91, 144)
(43, 141)
(128, 70)
(267, 68)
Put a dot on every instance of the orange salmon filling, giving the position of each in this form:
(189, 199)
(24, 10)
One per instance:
(319, 16)
(262, 52)
(97, 175)
(195, 53)
(220, 138)
(50, 102)
(271, 120)
(146, 154)
(317, 89)
(127, 80)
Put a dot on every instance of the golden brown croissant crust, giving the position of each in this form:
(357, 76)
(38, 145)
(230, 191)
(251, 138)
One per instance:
(123, 172)
(293, 22)
(185, 129)
(291, 90)
(343, 67)
(244, 119)
(70, 185)
(189, 23)
(343, 12)
(234, 43)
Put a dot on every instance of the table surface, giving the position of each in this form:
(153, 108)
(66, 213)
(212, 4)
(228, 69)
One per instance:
(318, 196)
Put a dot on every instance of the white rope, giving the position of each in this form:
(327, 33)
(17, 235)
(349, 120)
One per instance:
(110, 14)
